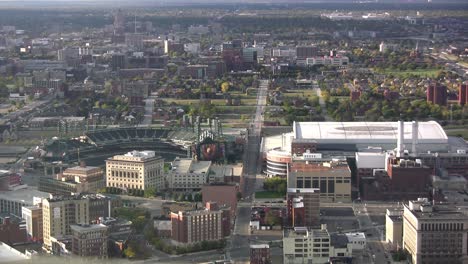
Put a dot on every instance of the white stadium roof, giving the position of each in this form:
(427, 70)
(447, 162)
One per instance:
(367, 132)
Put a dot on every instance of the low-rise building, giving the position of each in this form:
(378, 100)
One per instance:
(260, 254)
(222, 194)
(301, 245)
(13, 201)
(188, 175)
(12, 229)
(89, 240)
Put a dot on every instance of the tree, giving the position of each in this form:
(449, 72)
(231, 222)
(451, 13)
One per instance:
(130, 252)
(225, 87)
(151, 192)
(239, 196)
(272, 219)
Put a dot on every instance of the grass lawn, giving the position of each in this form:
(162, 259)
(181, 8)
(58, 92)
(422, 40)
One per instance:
(268, 195)
(458, 133)
(420, 72)
(300, 93)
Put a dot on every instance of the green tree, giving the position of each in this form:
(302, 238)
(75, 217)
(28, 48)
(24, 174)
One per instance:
(130, 252)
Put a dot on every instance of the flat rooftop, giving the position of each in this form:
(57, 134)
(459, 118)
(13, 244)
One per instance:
(188, 165)
(25, 195)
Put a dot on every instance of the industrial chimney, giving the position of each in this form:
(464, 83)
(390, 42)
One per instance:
(401, 138)
(414, 137)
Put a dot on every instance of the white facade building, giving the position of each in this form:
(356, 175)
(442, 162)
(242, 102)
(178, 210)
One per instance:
(188, 175)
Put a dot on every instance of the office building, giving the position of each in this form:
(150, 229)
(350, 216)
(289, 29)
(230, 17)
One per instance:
(394, 227)
(435, 233)
(437, 94)
(118, 61)
(188, 175)
(303, 52)
(75, 180)
(32, 216)
(59, 213)
(89, 240)
(332, 178)
(303, 207)
(260, 254)
(137, 170)
(305, 245)
(190, 227)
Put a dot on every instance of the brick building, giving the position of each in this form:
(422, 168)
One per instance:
(303, 207)
(222, 194)
(12, 229)
(260, 254)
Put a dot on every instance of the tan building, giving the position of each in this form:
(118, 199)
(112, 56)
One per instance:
(394, 227)
(59, 213)
(188, 175)
(435, 234)
(89, 179)
(305, 245)
(33, 218)
(138, 170)
(333, 178)
(76, 180)
(89, 240)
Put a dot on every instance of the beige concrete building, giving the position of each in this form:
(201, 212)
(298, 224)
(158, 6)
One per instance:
(89, 240)
(394, 227)
(304, 245)
(333, 178)
(188, 175)
(435, 234)
(89, 179)
(58, 214)
(138, 170)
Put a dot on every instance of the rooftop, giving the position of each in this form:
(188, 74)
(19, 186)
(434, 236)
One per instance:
(260, 246)
(303, 190)
(367, 132)
(10, 255)
(86, 228)
(25, 195)
(188, 165)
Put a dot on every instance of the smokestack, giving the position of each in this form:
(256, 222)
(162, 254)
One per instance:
(414, 138)
(401, 137)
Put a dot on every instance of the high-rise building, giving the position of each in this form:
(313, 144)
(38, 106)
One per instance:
(12, 229)
(190, 227)
(119, 22)
(394, 227)
(435, 233)
(119, 61)
(303, 207)
(137, 170)
(32, 215)
(437, 94)
(89, 240)
(59, 213)
(260, 254)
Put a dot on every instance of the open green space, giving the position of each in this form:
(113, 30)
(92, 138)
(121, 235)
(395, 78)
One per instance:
(458, 133)
(419, 72)
(300, 93)
(268, 195)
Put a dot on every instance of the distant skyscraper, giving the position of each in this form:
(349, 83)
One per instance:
(119, 22)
